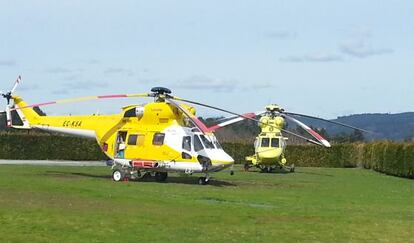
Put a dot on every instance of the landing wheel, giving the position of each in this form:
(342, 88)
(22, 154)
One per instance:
(266, 169)
(118, 175)
(161, 176)
(203, 181)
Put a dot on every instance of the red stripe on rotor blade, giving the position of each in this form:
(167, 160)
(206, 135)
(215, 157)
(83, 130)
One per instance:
(112, 96)
(245, 116)
(213, 128)
(249, 115)
(200, 124)
(316, 135)
(40, 104)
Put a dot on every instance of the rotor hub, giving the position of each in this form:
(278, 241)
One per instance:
(160, 91)
(274, 108)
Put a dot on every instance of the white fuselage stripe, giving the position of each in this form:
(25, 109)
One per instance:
(71, 131)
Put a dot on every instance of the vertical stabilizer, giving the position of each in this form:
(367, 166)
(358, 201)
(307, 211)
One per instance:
(27, 115)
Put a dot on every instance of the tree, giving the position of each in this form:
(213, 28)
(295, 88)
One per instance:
(356, 136)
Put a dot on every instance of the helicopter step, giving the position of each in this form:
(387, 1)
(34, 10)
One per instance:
(269, 169)
(122, 173)
(123, 170)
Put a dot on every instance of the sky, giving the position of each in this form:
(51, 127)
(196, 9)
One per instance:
(323, 58)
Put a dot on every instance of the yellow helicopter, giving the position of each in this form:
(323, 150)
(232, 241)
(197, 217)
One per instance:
(270, 144)
(156, 138)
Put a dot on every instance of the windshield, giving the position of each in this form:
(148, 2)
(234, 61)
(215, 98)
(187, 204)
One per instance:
(197, 144)
(265, 142)
(207, 143)
(218, 145)
(275, 142)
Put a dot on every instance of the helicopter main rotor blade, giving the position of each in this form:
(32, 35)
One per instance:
(86, 98)
(325, 120)
(235, 119)
(248, 118)
(310, 131)
(302, 137)
(199, 124)
(208, 106)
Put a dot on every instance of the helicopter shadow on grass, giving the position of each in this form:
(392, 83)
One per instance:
(63, 174)
(283, 172)
(188, 180)
(145, 179)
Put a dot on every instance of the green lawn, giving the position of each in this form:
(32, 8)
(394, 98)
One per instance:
(82, 204)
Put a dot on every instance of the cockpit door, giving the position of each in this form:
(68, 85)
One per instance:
(186, 147)
(120, 144)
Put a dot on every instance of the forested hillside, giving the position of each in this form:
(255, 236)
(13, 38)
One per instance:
(397, 127)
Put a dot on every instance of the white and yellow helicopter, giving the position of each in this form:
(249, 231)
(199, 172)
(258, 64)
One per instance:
(159, 137)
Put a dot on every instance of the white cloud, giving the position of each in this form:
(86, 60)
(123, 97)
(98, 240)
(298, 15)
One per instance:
(58, 70)
(360, 48)
(8, 63)
(206, 83)
(75, 86)
(85, 85)
(63, 70)
(115, 70)
(359, 44)
(257, 86)
(313, 57)
(93, 61)
(280, 34)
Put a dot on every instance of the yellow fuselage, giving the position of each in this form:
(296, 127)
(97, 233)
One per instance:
(269, 144)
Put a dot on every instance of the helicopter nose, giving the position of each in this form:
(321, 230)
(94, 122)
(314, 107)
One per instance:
(221, 157)
(270, 153)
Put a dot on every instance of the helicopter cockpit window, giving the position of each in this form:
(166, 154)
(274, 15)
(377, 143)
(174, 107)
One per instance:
(158, 139)
(187, 143)
(207, 143)
(218, 145)
(265, 142)
(197, 144)
(275, 143)
(130, 113)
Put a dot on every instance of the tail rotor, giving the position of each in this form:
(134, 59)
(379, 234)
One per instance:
(8, 96)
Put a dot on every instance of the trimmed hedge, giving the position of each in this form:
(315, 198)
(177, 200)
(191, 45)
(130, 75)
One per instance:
(43, 146)
(390, 158)
(386, 157)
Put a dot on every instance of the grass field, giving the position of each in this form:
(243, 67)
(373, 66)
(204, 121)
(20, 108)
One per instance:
(82, 204)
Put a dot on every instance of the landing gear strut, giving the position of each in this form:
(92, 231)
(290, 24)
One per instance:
(204, 180)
